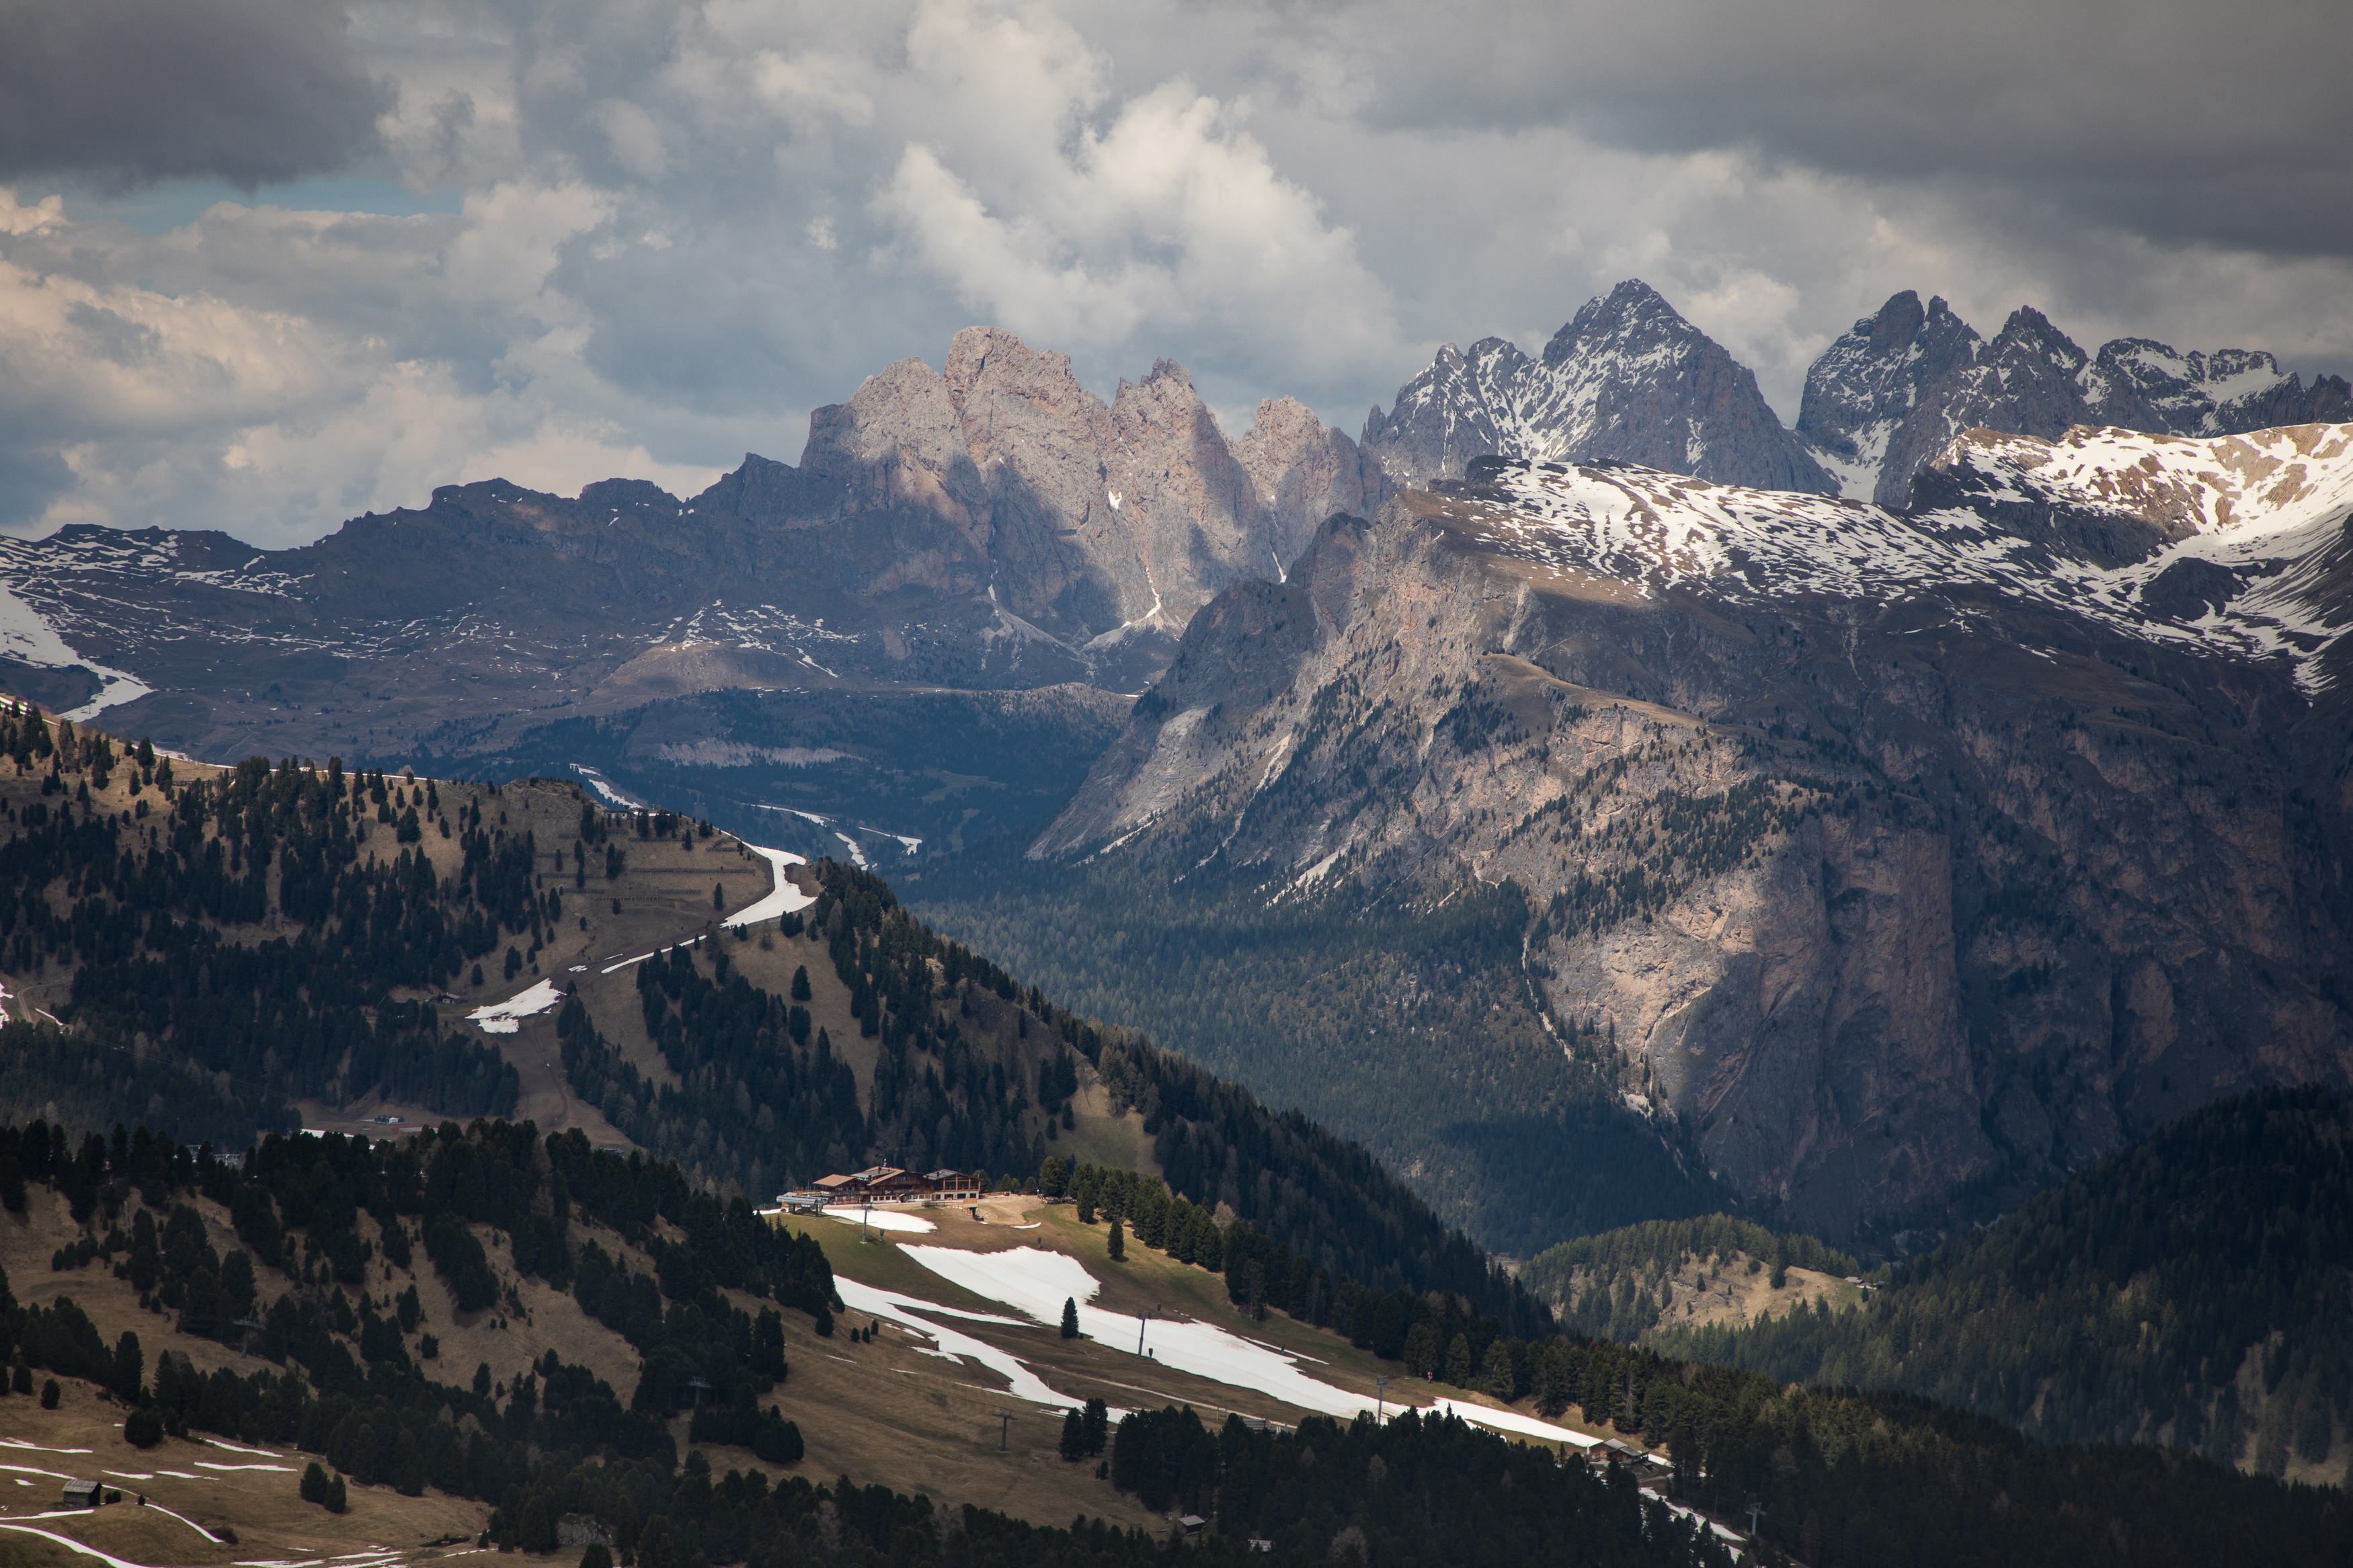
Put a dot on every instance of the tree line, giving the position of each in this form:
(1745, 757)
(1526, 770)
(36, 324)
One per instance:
(2193, 1289)
(1614, 1285)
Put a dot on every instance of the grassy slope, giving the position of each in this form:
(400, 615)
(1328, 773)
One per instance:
(1145, 1280)
(884, 1412)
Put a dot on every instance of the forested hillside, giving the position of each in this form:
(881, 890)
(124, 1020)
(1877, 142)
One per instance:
(321, 1221)
(974, 1071)
(1623, 1283)
(1406, 1025)
(496, 1224)
(207, 951)
(1842, 1480)
(2194, 1290)
(222, 942)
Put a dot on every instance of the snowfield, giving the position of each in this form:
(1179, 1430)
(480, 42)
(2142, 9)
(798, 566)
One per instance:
(1037, 1282)
(2264, 507)
(783, 900)
(26, 636)
(506, 1017)
(948, 1344)
(881, 1219)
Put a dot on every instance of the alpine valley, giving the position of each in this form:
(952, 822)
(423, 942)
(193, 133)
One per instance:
(1605, 802)
(1587, 978)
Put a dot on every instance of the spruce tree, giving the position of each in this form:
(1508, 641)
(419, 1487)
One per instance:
(1118, 1241)
(130, 1366)
(1459, 1367)
(1497, 1376)
(1075, 1436)
(1070, 1322)
(313, 1487)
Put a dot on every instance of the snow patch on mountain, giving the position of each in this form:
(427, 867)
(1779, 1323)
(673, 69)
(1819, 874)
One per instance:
(2250, 507)
(27, 637)
(1627, 379)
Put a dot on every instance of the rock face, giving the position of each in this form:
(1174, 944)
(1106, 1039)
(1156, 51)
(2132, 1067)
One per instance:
(988, 526)
(1627, 380)
(1866, 384)
(1898, 857)
(2030, 380)
(1303, 472)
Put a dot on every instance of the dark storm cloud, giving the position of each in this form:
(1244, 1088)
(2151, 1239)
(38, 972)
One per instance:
(2176, 118)
(127, 92)
(680, 224)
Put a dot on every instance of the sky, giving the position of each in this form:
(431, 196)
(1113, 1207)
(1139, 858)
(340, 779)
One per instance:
(268, 264)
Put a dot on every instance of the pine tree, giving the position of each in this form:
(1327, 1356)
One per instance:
(1070, 1322)
(314, 1484)
(1118, 1241)
(1098, 1426)
(130, 1366)
(1497, 1376)
(1458, 1367)
(338, 1499)
(1075, 1436)
(800, 984)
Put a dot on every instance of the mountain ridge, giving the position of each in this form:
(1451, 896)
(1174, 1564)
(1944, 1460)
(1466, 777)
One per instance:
(1846, 833)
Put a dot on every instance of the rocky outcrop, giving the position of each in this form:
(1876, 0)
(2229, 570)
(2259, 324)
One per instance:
(1626, 380)
(990, 525)
(2028, 380)
(1886, 399)
(1905, 860)
(1303, 472)
(1866, 384)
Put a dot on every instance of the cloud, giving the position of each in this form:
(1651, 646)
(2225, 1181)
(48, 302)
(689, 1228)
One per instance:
(2177, 118)
(1079, 228)
(132, 91)
(680, 224)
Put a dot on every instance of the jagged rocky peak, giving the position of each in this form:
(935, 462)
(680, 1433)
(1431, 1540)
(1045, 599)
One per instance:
(990, 524)
(1100, 519)
(1866, 384)
(2143, 385)
(1628, 379)
(1304, 471)
(1459, 408)
(1886, 399)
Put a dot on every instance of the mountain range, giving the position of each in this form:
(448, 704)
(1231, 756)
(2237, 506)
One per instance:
(1630, 380)
(1897, 854)
(1871, 861)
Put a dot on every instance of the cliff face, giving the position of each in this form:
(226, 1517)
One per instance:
(991, 525)
(1900, 857)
